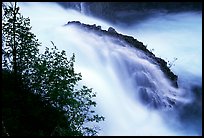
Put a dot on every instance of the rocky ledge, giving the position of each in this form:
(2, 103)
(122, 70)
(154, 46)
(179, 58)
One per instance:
(134, 43)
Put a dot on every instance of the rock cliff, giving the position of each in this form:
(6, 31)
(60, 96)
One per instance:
(133, 43)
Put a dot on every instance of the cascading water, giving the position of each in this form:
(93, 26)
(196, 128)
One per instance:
(133, 93)
(119, 74)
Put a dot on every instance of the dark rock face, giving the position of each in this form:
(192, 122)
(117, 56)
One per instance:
(133, 43)
(144, 96)
(128, 13)
(152, 100)
(111, 30)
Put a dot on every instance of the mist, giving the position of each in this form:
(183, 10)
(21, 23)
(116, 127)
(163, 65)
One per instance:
(173, 35)
(103, 64)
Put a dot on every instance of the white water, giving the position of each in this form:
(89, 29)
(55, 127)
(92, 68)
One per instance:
(173, 35)
(103, 65)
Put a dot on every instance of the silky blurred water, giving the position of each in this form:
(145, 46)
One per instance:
(119, 73)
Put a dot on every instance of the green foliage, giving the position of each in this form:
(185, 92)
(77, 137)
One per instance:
(56, 80)
(21, 39)
(24, 113)
(50, 75)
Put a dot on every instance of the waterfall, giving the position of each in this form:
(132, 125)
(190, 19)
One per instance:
(133, 93)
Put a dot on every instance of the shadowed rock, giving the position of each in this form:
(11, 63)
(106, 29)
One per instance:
(133, 43)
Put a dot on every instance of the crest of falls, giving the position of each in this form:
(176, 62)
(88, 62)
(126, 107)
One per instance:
(136, 68)
(132, 90)
(136, 92)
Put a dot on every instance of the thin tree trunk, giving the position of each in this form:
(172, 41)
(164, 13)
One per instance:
(14, 42)
(15, 71)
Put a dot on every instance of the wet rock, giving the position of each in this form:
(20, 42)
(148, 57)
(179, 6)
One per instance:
(111, 30)
(143, 96)
(134, 43)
